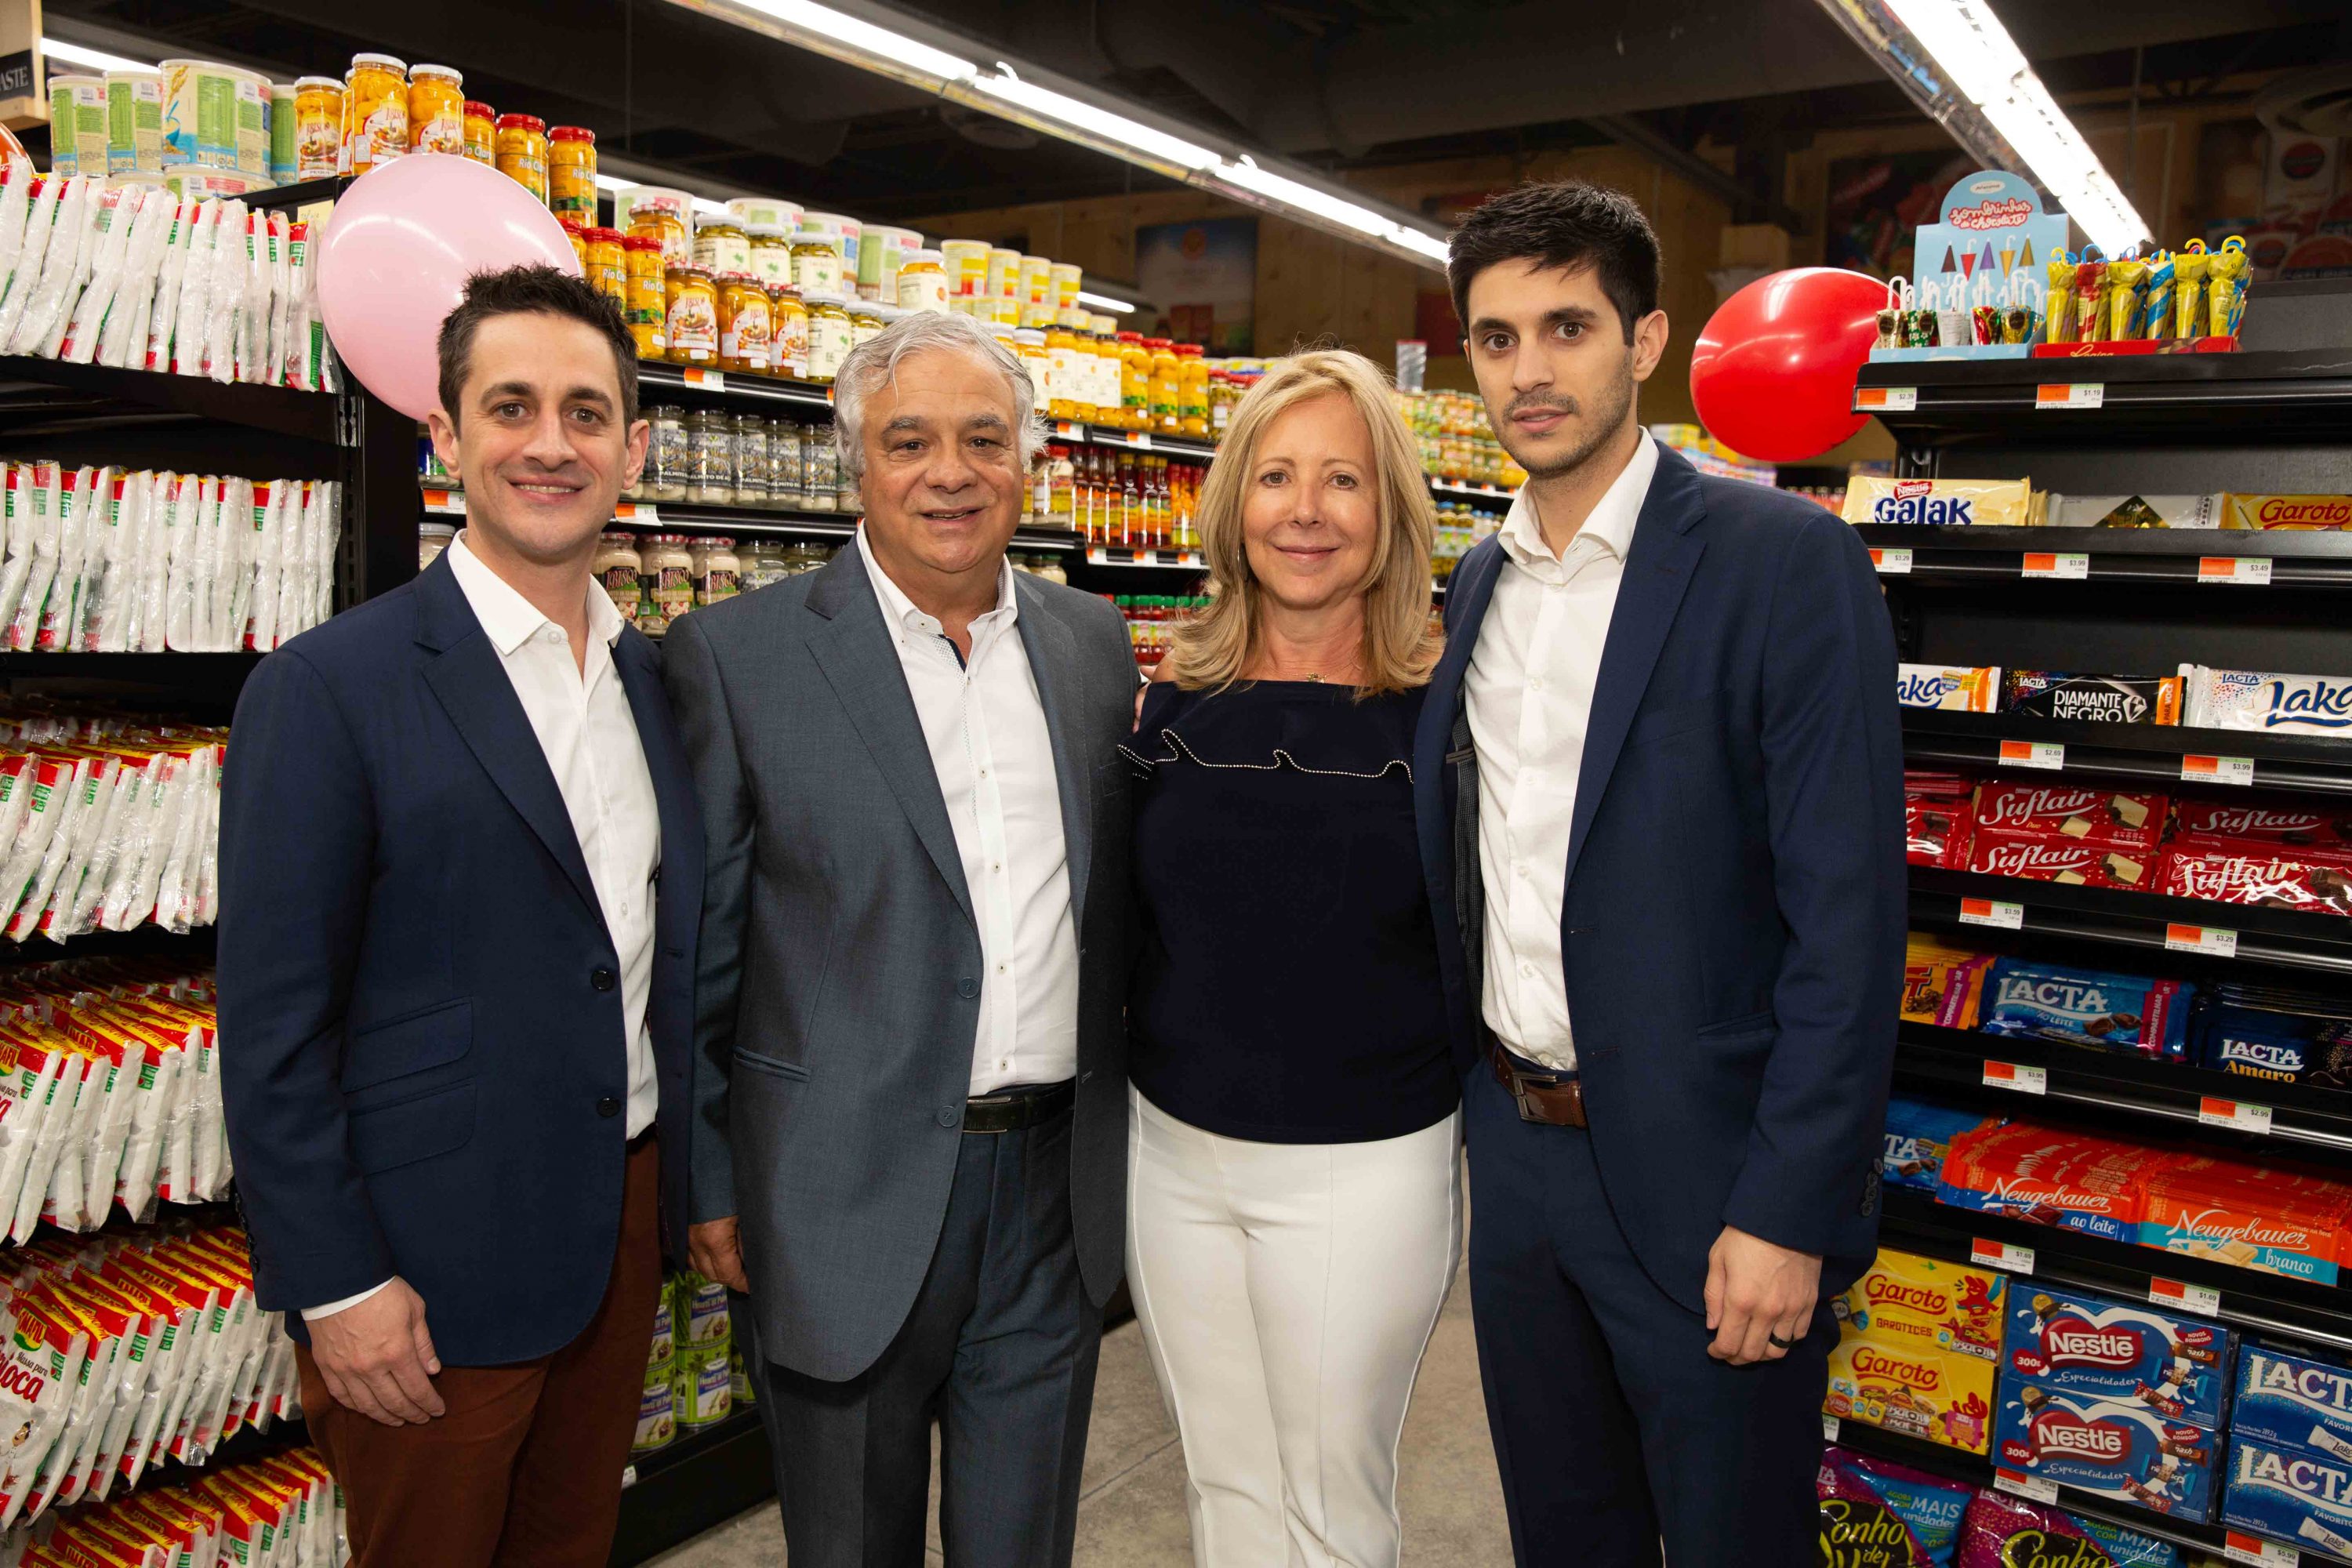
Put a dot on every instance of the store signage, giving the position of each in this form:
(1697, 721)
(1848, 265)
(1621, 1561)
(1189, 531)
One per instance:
(2070, 394)
(2049, 755)
(1892, 563)
(2202, 1299)
(2253, 571)
(2233, 1113)
(2023, 1076)
(2209, 939)
(1885, 399)
(2001, 1254)
(1069, 432)
(2197, 769)
(1992, 913)
(2071, 567)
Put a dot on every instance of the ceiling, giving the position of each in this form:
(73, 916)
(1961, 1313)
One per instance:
(1331, 83)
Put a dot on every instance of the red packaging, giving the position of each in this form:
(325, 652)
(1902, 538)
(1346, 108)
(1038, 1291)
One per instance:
(2227, 874)
(2133, 823)
(2050, 1176)
(1938, 817)
(2275, 823)
(2056, 859)
(2252, 1217)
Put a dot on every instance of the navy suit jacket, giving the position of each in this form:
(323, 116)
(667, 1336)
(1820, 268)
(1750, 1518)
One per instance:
(422, 1057)
(1734, 914)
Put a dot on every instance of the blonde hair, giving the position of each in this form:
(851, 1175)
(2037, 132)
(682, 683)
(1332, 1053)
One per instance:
(1215, 647)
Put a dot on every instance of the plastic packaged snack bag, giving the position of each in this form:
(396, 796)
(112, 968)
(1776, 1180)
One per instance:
(47, 496)
(89, 237)
(105, 626)
(16, 535)
(40, 1365)
(32, 256)
(152, 610)
(281, 277)
(17, 183)
(88, 496)
(68, 228)
(227, 291)
(122, 339)
(65, 1099)
(2002, 1532)
(163, 311)
(116, 214)
(271, 504)
(198, 497)
(192, 319)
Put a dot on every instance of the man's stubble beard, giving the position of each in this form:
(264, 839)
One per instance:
(1597, 435)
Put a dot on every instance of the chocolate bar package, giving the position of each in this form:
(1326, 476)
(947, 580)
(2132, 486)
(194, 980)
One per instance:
(2136, 512)
(2094, 698)
(1938, 503)
(2311, 881)
(1904, 1298)
(1939, 820)
(1960, 689)
(1906, 1386)
(2324, 512)
(2270, 1220)
(2291, 1495)
(2048, 1176)
(2266, 702)
(2000, 1532)
(2131, 1014)
(2131, 821)
(1942, 986)
(1918, 1136)
(2122, 1451)
(2294, 1400)
(2288, 1039)
(2275, 822)
(2054, 857)
(2092, 1348)
(1878, 1514)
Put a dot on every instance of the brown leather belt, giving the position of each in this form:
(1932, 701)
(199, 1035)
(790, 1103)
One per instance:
(1017, 1111)
(1556, 1099)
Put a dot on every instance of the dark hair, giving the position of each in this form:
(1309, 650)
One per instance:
(1561, 224)
(533, 290)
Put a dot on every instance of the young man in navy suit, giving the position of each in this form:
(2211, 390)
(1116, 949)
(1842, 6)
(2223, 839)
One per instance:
(461, 871)
(1659, 779)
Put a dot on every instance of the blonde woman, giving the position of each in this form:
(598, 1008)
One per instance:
(1294, 1211)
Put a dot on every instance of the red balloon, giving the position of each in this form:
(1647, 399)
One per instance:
(1772, 373)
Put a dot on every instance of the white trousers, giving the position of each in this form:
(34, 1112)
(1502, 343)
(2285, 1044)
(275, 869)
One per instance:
(1287, 1292)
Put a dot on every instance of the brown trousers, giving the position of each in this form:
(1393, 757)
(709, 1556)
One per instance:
(524, 1470)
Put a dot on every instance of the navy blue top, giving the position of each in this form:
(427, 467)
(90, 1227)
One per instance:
(1287, 989)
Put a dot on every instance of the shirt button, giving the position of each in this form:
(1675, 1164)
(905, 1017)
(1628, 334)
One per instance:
(1526, 969)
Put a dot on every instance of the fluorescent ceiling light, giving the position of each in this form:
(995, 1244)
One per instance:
(863, 37)
(1290, 192)
(1984, 65)
(1086, 117)
(1104, 301)
(95, 59)
(614, 182)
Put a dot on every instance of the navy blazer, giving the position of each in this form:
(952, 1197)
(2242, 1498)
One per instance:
(422, 1060)
(1733, 920)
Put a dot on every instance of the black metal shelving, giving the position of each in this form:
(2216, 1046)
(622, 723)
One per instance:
(660, 382)
(2142, 396)
(702, 1479)
(2149, 755)
(2292, 939)
(2202, 557)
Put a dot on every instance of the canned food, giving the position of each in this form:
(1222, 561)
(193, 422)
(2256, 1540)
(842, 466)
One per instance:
(284, 136)
(134, 123)
(78, 142)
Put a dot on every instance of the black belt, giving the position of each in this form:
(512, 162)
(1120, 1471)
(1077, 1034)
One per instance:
(1017, 1109)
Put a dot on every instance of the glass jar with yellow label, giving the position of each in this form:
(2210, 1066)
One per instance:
(375, 112)
(1134, 382)
(816, 264)
(1164, 420)
(721, 244)
(788, 349)
(1062, 375)
(481, 132)
(772, 253)
(649, 296)
(318, 127)
(922, 283)
(831, 334)
(866, 322)
(1029, 344)
(1192, 392)
(579, 238)
(691, 323)
(608, 266)
(666, 229)
(746, 325)
(572, 173)
(522, 152)
(437, 110)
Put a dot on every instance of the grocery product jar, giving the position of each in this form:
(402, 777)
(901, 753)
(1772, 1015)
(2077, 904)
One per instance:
(522, 152)
(375, 112)
(572, 173)
(1192, 392)
(318, 127)
(745, 328)
(432, 539)
(750, 460)
(816, 263)
(1038, 360)
(710, 458)
(1164, 374)
(1063, 381)
(579, 238)
(783, 463)
(831, 335)
(78, 142)
(134, 123)
(437, 110)
(1069, 278)
(669, 581)
(608, 266)
(668, 455)
(966, 263)
(846, 233)
(865, 324)
(772, 253)
(648, 300)
(820, 469)
(1004, 274)
(666, 230)
(721, 244)
(620, 571)
(922, 282)
(481, 132)
(761, 561)
(1134, 382)
(881, 251)
(717, 571)
(1036, 286)
(766, 212)
(788, 349)
(690, 324)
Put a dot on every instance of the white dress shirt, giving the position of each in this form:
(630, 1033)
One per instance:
(994, 757)
(588, 733)
(1529, 695)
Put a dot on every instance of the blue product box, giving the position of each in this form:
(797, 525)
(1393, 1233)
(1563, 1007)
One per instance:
(2072, 1007)
(2037, 1211)
(2292, 1495)
(2093, 1348)
(2260, 1042)
(1918, 1136)
(2122, 1451)
(2294, 1400)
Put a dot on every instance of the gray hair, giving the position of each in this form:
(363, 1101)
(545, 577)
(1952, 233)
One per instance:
(874, 363)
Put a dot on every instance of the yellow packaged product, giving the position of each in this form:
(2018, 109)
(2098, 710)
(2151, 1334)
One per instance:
(2058, 320)
(2189, 268)
(2225, 288)
(437, 110)
(2303, 513)
(1905, 1298)
(375, 112)
(1942, 986)
(318, 127)
(1912, 1389)
(1939, 503)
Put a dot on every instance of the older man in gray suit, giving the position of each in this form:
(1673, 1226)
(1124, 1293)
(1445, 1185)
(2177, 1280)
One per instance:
(910, 1071)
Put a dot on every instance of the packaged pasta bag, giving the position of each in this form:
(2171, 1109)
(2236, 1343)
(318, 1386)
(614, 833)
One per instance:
(173, 1350)
(16, 521)
(88, 238)
(116, 215)
(89, 769)
(32, 256)
(85, 1416)
(61, 1205)
(84, 495)
(317, 1488)
(24, 1097)
(174, 507)
(74, 909)
(46, 496)
(197, 1430)
(230, 269)
(144, 1356)
(102, 554)
(199, 1340)
(260, 584)
(229, 564)
(164, 314)
(146, 835)
(137, 1181)
(122, 339)
(64, 1101)
(17, 183)
(40, 1365)
(282, 275)
(190, 813)
(199, 498)
(48, 800)
(169, 1513)
(67, 227)
(193, 316)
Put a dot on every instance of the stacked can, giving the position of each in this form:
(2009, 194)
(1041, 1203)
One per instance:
(702, 1378)
(656, 1413)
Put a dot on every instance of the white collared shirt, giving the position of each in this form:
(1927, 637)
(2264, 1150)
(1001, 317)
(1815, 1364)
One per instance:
(1529, 696)
(588, 734)
(989, 746)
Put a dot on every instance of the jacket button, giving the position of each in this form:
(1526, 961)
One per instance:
(967, 987)
(608, 1105)
(602, 980)
(949, 1115)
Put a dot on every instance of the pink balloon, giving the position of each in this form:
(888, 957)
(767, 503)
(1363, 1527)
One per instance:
(403, 241)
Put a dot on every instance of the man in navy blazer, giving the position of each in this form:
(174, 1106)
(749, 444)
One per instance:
(1659, 783)
(461, 871)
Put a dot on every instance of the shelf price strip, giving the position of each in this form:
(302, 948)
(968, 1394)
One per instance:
(2001, 1254)
(636, 512)
(2253, 571)
(2065, 565)
(2233, 1113)
(2033, 1489)
(2240, 1547)
(1996, 912)
(1886, 400)
(709, 380)
(2070, 394)
(2197, 769)
(445, 503)
(2049, 755)
(2211, 940)
(2023, 1076)
(1829, 1427)
(1892, 563)
(2200, 1299)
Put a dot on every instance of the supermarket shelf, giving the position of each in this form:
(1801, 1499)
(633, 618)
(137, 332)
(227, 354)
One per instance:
(2165, 1096)
(302, 194)
(1494, 495)
(2295, 559)
(2274, 396)
(2268, 1304)
(1135, 440)
(703, 1479)
(2290, 938)
(658, 382)
(1977, 1470)
(29, 386)
(699, 517)
(2147, 754)
(206, 674)
(1149, 559)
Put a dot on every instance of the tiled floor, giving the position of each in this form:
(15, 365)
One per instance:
(1132, 1512)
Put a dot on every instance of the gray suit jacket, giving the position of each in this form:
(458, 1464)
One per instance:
(836, 996)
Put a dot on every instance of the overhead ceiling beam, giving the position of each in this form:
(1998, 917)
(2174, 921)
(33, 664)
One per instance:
(1746, 205)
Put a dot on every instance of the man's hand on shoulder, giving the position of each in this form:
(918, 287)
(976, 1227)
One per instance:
(1756, 1290)
(715, 1247)
(377, 1357)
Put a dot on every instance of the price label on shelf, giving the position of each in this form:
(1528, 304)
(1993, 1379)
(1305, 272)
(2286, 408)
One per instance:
(2202, 1299)
(2211, 940)
(2023, 1076)
(2070, 394)
(445, 503)
(710, 379)
(2217, 770)
(1181, 558)
(828, 397)
(2233, 1113)
(2254, 571)
(1892, 563)
(2065, 565)
(2046, 755)
(628, 1476)
(1069, 432)
(1139, 439)
(1829, 1427)
(1994, 913)
(2033, 1489)
(637, 512)
(2240, 1547)
(1885, 399)
(2001, 1254)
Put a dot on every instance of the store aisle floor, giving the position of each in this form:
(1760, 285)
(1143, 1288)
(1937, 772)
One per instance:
(1133, 1511)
